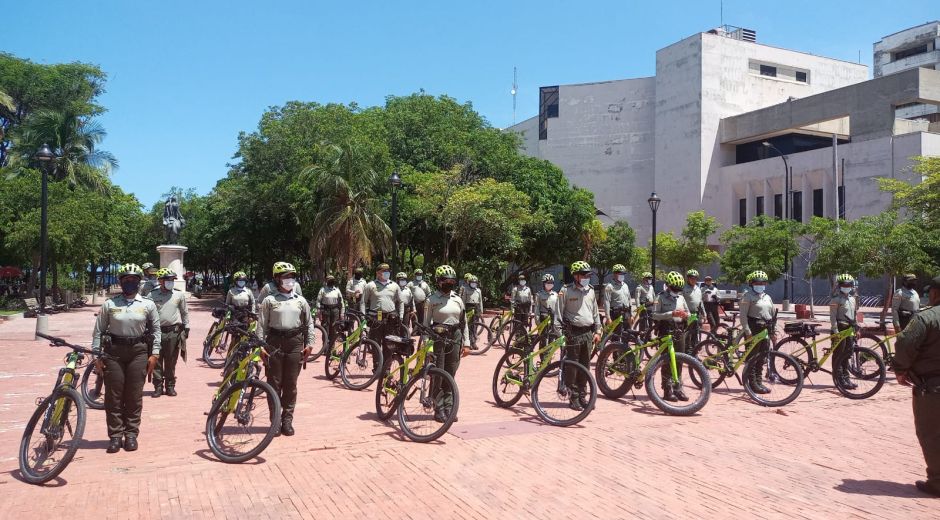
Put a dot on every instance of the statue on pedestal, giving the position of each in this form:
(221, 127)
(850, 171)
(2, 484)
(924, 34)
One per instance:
(173, 220)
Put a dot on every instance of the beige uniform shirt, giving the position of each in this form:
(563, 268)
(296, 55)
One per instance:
(693, 297)
(332, 297)
(645, 295)
(520, 295)
(129, 318)
(841, 308)
(407, 299)
(904, 300)
(419, 290)
(241, 298)
(354, 287)
(666, 303)
(171, 306)
(578, 306)
(285, 312)
(271, 288)
(473, 299)
(754, 305)
(148, 285)
(616, 296)
(381, 296)
(447, 309)
(546, 302)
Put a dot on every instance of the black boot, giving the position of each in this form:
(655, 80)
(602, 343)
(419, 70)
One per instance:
(574, 401)
(679, 393)
(171, 391)
(114, 445)
(846, 382)
(668, 392)
(757, 380)
(157, 390)
(130, 443)
(287, 426)
(439, 414)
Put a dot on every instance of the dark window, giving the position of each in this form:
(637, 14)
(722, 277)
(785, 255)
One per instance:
(760, 205)
(778, 205)
(548, 107)
(842, 202)
(787, 143)
(818, 203)
(797, 199)
(742, 212)
(801, 76)
(768, 70)
(914, 51)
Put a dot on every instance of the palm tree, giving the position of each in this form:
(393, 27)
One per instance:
(7, 103)
(346, 226)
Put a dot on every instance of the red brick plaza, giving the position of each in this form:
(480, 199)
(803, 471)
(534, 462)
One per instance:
(823, 456)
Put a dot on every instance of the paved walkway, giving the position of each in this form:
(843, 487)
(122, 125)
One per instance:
(824, 456)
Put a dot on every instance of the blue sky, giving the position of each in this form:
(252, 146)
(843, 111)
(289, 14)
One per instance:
(186, 76)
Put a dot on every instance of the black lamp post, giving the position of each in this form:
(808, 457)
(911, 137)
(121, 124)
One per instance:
(786, 214)
(395, 181)
(654, 206)
(45, 158)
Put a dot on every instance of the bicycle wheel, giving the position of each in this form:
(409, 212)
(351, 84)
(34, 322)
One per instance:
(418, 414)
(873, 342)
(390, 385)
(504, 334)
(52, 436)
(616, 370)
(93, 387)
(215, 353)
(210, 336)
(332, 361)
(550, 394)
(243, 421)
(798, 348)
(361, 365)
(482, 343)
(509, 378)
(324, 338)
(711, 354)
(865, 371)
(785, 367)
(685, 364)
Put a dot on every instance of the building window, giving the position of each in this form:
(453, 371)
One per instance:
(842, 202)
(914, 51)
(778, 205)
(801, 76)
(797, 206)
(548, 108)
(767, 70)
(818, 203)
(742, 212)
(760, 205)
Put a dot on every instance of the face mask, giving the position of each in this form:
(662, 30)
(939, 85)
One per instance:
(521, 283)
(647, 282)
(403, 283)
(419, 278)
(584, 282)
(676, 292)
(288, 284)
(358, 277)
(549, 286)
(330, 283)
(473, 285)
(447, 286)
(241, 284)
(385, 275)
(130, 286)
(169, 284)
(619, 278)
(759, 288)
(845, 290)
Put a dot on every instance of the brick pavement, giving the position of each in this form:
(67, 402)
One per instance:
(822, 457)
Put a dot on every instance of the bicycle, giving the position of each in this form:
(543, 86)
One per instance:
(607, 332)
(45, 452)
(352, 356)
(216, 346)
(863, 365)
(723, 359)
(92, 387)
(523, 369)
(882, 346)
(248, 401)
(477, 330)
(497, 329)
(620, 366)
(410, 386)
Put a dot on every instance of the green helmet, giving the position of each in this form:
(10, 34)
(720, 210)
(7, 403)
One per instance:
(580, 267)
(446, 271)
(418, 272)
(383, 267)
(619, 268)
(647, 274)
(692, 272)
(147, 265)
(165, 273)
(845, 278)
(130, 270)
(283, 268)
(757, 276)
(674, 280)
(474, 279)
(239, 275)
(466, 276)
(547, 277)
(401, 276)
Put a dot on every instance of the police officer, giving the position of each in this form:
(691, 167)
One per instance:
(693, 298)
(546, 300)
(330, 305)
(710, 302)
(917, 364)
(150, 279)
(906, 303)
(473, 301)
(174, 329)
(842, 316)
(240, 296)
(382, 301)
(669, 312)
(354, 288)
(521, 300)
(446, 315)
(125, 327)
(757, 314)
(617, 296)
(577, 315)
(420, 290)
(407, 302)
(285, 322)
(645, 296)
(272, 287)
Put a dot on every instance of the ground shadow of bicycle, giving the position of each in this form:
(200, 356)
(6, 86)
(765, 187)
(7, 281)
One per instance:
(207, 455)
(54, 483)
(878, 488)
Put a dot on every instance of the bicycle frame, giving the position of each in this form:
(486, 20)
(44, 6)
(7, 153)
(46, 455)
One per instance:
(238, 375)
(352, 339)
(665, 344)
(66, 378)
(834, 339)
(546, 352)
(732, 348)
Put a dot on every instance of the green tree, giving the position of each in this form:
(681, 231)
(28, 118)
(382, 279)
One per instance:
(618, 247)
(486, 219)
(763, 244)
(690, 249)
(920, 192)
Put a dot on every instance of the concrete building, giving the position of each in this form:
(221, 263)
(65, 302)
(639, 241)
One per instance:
(910, 49)
(695, 133)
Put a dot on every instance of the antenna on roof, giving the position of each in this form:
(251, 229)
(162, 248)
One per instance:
(514, 91)
(722, 24)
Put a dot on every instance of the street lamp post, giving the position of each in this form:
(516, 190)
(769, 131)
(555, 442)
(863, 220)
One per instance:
(45, 158)
(654, 206)
(395, 181)
(786, 214)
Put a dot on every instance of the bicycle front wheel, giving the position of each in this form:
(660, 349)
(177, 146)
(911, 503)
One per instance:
(389, 387)
(509, 378)
(865, 374)
(695, 396)
(243, 421)
(482, 343)
(870, 341)
(217, 350)
(52, 436)
(323, 341)
(332, 360)
(551, 394)
(615, 370)
(429, 405)
(361, 365)
(798, 349)
(93, 387)
(783, 380)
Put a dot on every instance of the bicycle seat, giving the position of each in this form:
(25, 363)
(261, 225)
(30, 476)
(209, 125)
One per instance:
(400, 344)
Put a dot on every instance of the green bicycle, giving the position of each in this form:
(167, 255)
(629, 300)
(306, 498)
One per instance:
(411, 387)
(477, 332)
(352, 356)
(526, 370)
(246, 411)
(884, 347)
(620, 366)
(864, 369)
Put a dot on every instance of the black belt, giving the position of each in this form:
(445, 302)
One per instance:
(575, 329)
(327, 306)
(171, 328)
(443, 328)
(285, 333)
(126, 340)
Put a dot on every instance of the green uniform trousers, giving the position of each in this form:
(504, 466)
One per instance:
(578, 349)
(448, 359)
(927, 427)
(165, 371)
(124, 379)
(283, 368)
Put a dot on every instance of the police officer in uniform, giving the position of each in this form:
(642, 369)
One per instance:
(285, 322)
(150, 279)
(645, 296)
(354, 288)
(446, 315)
(381, 300)
(546, 300)
(577, 315)
(617, 297)
(420, 290)
(272, 287)
(669, 312)
(521, 300)
(125, 327)
(917, 364)
(757, 314)
(407, 302)
(710, 302)
(473, 300)
(906, 303)
(174, 329)
(330, 305)
(693, 298)
(842, 316)
(240, 296)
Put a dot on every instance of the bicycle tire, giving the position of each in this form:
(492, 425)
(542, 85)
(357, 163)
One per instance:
(389, 387)
(878, 376)
(615, 360)
(316, 353)
(873, 342)
(409, 393)
(711, 354)
(94, 397)
(481, 346)
(331, 361)
(786, 361)
(373, 350)
(556, 369)
(682, 359)
(209, 335)
(28, 474)
(798, 348)
(509, 382)
(222, 346)
(212, 424)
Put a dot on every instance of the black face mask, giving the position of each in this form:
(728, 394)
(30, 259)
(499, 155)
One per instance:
(130, 286)
(448, 285)
(358, 277)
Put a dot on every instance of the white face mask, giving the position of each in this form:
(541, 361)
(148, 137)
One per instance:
(473, 285)
(169, 284)
(419, 278)
(385, 275)
(845, 290)
(647, 282)
(241, 283)
(549, 286)
(584, 282)
(288, 284)
(759, 288)
(521, 283)
(403, 283)
(619, 278)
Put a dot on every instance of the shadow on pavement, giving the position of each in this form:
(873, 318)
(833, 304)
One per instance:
(54, 483)
(879, 488)
(208, 455)
(93, 445)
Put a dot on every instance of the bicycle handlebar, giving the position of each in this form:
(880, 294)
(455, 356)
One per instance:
(59, 342)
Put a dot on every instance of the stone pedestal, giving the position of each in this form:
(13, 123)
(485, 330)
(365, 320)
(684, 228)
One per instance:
(171, 257)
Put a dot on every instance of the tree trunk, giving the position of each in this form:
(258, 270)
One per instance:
(890, 288)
